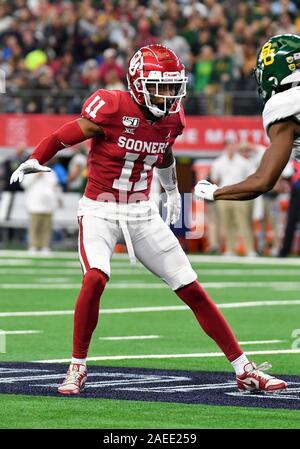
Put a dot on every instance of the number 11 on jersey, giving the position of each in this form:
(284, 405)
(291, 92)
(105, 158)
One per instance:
(123, 182)
(94, 106)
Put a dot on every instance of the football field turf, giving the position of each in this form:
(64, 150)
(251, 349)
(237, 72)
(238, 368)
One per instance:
(145, 327)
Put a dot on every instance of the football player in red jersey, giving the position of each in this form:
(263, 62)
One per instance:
(131, 133)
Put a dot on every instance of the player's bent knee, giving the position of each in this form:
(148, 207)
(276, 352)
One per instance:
(94, 277)
(194, 286)
(182, 278)
(192, 290)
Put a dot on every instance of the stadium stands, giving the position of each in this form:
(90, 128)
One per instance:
(54, 53)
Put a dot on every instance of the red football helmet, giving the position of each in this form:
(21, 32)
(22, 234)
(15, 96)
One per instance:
(155, 73)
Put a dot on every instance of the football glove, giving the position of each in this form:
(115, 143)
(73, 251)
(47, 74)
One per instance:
(173, 205)
(205, 189)
(30, 166)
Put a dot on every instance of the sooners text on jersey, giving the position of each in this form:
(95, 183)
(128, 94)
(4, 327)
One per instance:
(120, 163)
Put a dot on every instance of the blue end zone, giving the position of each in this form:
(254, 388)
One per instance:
(140, 384)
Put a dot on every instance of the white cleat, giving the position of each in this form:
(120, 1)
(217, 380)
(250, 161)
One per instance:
(75, 380)
(254, 379)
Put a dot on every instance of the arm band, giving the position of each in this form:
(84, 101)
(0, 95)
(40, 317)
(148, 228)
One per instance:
(167, 177)
(65, 136)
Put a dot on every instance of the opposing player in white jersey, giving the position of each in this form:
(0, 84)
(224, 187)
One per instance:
(131, 133)
(277, 74)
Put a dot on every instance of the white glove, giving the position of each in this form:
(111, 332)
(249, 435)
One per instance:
(30, 166)
(205, 189)
(173, 205)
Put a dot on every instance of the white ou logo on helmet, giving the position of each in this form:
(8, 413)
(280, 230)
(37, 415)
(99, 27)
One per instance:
(136, 63)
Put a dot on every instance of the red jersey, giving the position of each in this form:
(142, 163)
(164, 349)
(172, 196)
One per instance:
(121, 162)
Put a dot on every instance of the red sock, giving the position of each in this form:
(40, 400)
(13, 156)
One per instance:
(87, 311)
(210, 319)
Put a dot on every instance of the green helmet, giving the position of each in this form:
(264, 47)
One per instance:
(278, 64)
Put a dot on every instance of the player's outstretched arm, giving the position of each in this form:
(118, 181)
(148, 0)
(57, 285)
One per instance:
(267, 174)
(67, 135)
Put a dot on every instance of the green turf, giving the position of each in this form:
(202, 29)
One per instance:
(75, 413)
(178, 330)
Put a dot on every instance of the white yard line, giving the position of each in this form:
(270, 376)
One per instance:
(232, 305)
(261, 342)
(19, 332)
(131, 337)
(154, 285)
(39, 286)
(53, 280)
(52, 255)
(248, 272)
(197, 258)
(150, 337)
(238, 305)
(39, 263)
(15, 262)
(56, 264)
(141, 271)
(69, 271)
(247, 284)
(40, 271)
(37, 313)
(172, 356)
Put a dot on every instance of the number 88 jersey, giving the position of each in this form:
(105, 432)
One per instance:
(121, 161)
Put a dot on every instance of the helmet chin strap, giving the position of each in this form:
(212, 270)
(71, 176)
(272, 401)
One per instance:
(151, 112)
(157, 111)
(153, 108)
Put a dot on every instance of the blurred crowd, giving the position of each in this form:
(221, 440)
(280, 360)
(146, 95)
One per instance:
(264, 226)
(55, 52)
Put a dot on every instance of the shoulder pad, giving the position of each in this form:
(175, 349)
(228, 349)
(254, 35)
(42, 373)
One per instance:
(282, 105)
(100, 104)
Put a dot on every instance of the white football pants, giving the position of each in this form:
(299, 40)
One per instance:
(154, 245)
